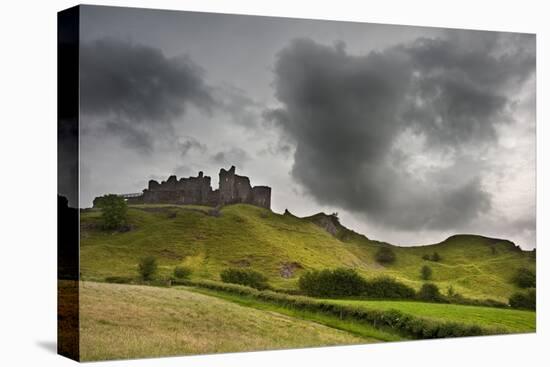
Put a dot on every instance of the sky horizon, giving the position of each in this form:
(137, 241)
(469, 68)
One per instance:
(411, 134)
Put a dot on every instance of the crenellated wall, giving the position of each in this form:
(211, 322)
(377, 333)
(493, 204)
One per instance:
(198, 190)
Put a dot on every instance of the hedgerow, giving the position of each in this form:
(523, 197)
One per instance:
(342, 282)
(385, 287)
(339, 282)
(245, 277)
(405, 324)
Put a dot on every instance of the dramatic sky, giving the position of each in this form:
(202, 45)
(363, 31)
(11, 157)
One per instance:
(411, 134)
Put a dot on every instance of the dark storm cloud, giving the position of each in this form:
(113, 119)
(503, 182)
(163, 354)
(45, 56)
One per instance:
(460, 84)
(138, 91)
(346, 113)
(131, 135)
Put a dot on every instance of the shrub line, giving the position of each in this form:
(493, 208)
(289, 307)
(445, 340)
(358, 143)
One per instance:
(409, 325)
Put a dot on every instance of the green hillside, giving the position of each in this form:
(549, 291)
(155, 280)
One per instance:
(282, 246)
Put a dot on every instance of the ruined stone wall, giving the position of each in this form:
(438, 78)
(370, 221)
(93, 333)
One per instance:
(198, 190)
(261, 196)
(227, 186)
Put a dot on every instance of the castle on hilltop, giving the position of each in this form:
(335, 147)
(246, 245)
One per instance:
(198, 191)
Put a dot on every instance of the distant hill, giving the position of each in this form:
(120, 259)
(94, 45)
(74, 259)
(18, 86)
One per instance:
(282, 246)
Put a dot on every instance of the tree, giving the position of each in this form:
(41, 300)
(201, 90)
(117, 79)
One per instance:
(436, 257)
(385, 255)
(246, 277)
(525, 278)
(182, 272)
(426, 272)
(526, 300)
(340, 282)
(147, 267)
(429, 292)
(113, 211)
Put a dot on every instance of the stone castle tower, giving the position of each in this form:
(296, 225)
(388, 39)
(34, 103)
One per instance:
(232, 189)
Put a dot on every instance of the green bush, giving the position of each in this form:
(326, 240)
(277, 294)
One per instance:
(526, 300)
(147, 267)
(385, 255)
(429, 292)
(182, 272)
(246, 277)
(119, 280)
(113, 211)
(436, 257)
(384, 287)
(426, 257)
(525, 278)
(426, 272)
(339, 282)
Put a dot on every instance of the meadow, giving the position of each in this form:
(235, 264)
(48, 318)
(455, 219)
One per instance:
(119, 321)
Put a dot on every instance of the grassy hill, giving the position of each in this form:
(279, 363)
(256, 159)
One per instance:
(279, 245)
(127, 321)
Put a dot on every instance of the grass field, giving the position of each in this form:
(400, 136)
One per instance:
(515, 321)
(128, 321)
(363, 330)
(244, 235)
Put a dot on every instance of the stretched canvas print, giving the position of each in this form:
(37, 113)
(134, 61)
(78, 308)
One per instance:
(232, 183)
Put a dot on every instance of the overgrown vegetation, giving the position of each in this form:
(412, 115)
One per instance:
(433, 257)
(147, 267)
(524, 300)
(245, 277)
(339, 282)
(113, 211)
(386, 287)
(182, 272)
(343, 282)
(430, 292)
(426, 272)
(525, 278)
(385, 256)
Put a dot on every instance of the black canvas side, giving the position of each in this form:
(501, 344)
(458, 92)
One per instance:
(68, 183)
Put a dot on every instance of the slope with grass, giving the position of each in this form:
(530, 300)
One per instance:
(248, 236)
(127, 321)
(513, 321)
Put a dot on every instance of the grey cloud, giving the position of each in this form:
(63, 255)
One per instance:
(242, 109)
(461, 85)
(132, 136)
(234, 156)
(137, 91)
(189, 143)
(344, 114)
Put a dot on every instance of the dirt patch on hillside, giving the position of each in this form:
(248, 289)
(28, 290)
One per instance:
(288, 269)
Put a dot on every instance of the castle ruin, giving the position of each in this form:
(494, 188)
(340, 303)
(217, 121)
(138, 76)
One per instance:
(232, 189)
